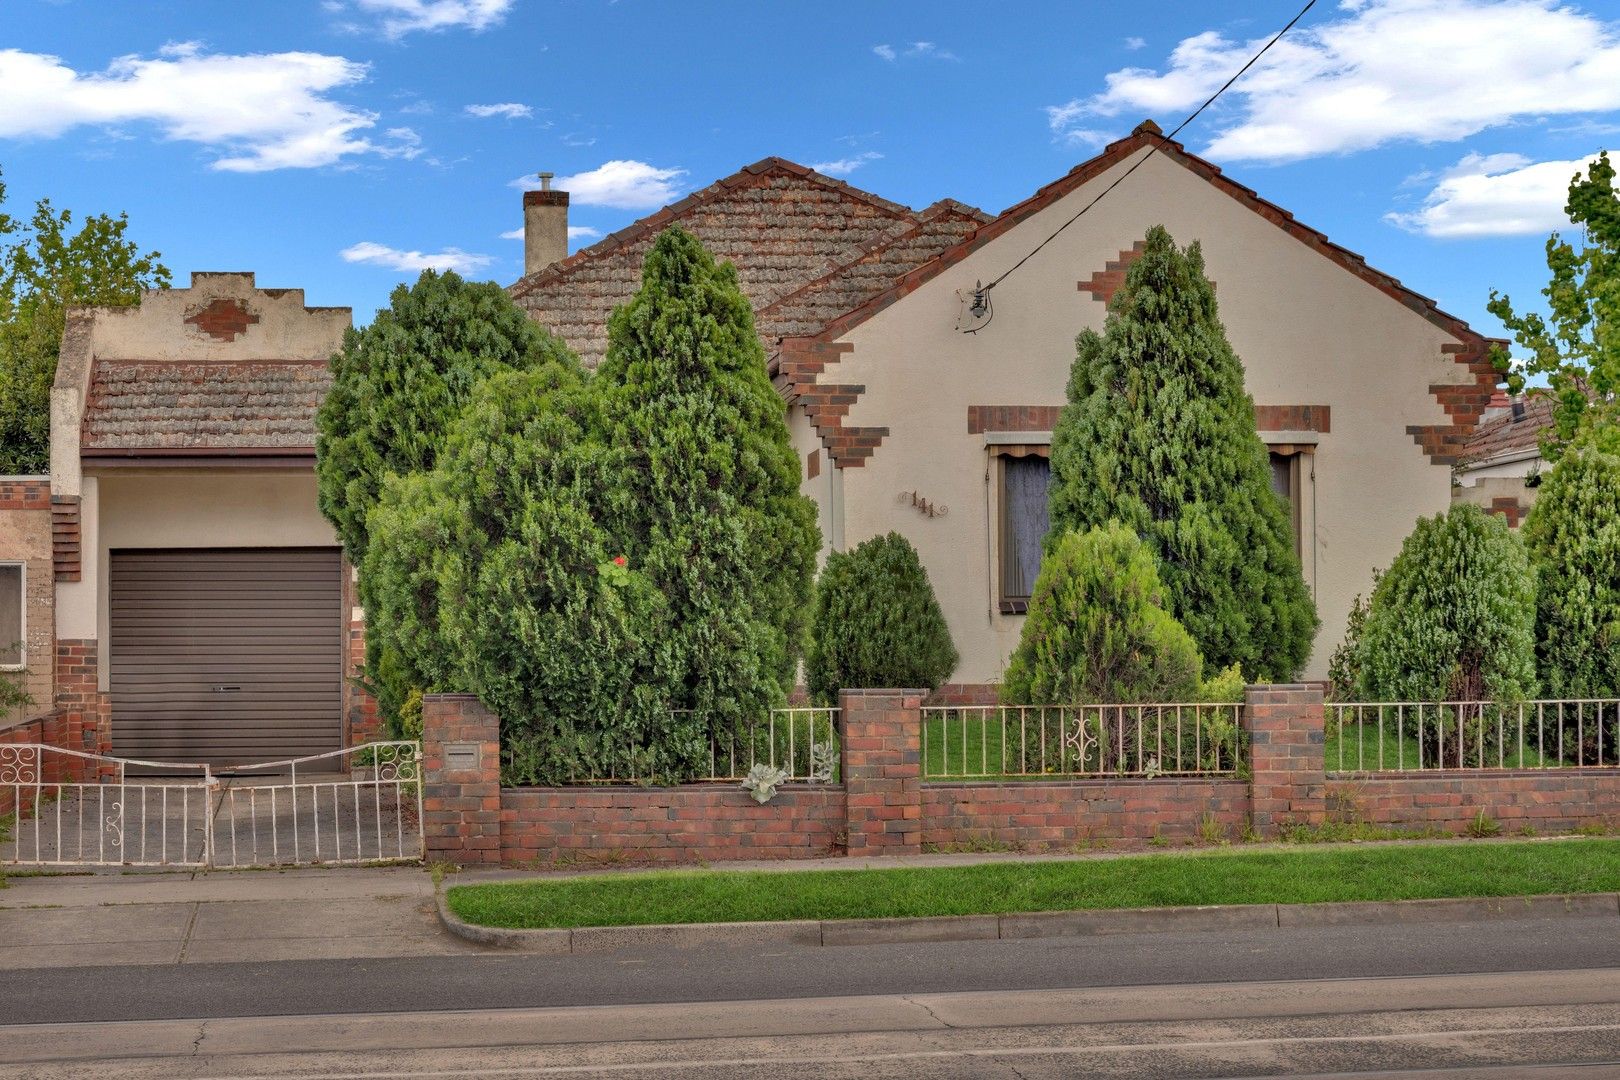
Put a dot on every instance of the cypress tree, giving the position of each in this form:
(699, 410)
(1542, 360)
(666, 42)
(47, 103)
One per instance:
(706, 501)
(1160, 436)
(1573, 538)
(877, 622)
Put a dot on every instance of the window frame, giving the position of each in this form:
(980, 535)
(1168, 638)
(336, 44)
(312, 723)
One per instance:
(22, 615)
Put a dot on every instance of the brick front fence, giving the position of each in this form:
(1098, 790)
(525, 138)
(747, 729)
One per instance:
(883, 806)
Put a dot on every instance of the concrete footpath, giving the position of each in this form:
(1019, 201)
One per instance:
(221, 917)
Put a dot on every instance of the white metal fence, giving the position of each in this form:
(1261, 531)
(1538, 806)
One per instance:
(1399, 736)
(72, 809)
(1060, 741)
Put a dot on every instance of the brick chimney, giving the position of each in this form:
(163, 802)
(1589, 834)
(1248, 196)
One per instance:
(545, 226)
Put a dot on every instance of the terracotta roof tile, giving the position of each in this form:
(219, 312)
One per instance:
(171, 405)
(784, 226)
(1501, 435)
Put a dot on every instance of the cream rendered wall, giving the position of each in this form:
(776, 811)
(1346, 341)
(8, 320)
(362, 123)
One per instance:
(1309, 332)
(172, 508)
(821, 488)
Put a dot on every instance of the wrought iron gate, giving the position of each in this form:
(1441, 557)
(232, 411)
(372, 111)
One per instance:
(346, 807)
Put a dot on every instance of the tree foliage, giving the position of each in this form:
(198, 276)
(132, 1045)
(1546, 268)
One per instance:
(1577, 349)
(1098, 630)
(47, 266)
(706, 500)
(1452, 619)
(1573, 539)
(877, 622)
(1159, 435)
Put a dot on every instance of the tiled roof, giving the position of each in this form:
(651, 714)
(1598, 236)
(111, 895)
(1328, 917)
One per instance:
(783, 225)
(1502, 435)
(167, 406)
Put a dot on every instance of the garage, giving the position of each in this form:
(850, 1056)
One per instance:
(226, 655)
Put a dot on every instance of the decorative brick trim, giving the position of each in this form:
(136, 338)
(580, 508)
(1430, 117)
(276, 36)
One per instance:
(1294, 418)
(1511, 510)
(65, 537)
(812, 465)
(27, 493)
(1103, 284)
(827, 404)
(982, 418)
(1464, 403)
(223, 319)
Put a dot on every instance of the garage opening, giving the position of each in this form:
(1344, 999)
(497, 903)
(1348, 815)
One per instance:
(226, 656)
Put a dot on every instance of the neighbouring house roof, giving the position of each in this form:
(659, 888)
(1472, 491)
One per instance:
(169, 407)
(783, 225)
(1508, 436)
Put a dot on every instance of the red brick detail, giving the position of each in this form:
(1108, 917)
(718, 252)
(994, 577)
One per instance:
(223, 318)
(27, 766)
(1464, 403)
(65, 537)
(83, 710)
(461, 809)
(1062, 814)
(360, 712)
(545, 198)
(26, 493)
(1511, 510)
(1294, 418)
(812, 465)
(1103, 284)
(1550, 800)
(981, 418)
(1286, 731)
(882, 744)
(691, 823)
(826, 405)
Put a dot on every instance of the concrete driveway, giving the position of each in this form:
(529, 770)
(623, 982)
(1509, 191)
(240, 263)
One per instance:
(184, 918)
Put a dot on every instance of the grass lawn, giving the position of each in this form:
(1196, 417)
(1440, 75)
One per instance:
(1211, 877)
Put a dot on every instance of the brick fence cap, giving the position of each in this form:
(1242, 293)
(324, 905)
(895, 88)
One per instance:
(1282, 686)
(891, 692)
(449, 697)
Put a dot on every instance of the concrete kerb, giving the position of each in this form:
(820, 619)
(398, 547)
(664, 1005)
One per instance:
(1042, 924)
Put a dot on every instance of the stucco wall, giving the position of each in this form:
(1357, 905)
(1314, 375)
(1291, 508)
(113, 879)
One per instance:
(25, 537)
(1309, 332)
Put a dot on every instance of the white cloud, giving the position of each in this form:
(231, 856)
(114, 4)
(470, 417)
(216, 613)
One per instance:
(258, 112)
(462, 262)
(917, 50)
(510, 110)
(845, 166)
(1495, 195)
(623, 185)
(1383, 71)
(884, 52)
(575, 232)
(1134, 43)
(396, 18)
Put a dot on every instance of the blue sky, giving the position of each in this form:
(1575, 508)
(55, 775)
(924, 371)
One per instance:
(337, 145)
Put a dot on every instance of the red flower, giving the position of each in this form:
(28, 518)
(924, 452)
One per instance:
(620, 560)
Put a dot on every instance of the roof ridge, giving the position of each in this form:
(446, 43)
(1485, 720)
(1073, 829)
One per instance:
(747, 176)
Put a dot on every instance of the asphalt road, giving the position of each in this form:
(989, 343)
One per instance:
(497, 981)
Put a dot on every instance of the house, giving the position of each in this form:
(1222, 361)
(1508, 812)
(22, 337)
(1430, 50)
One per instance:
(912, 412)
(200, 601)
(1503, 462)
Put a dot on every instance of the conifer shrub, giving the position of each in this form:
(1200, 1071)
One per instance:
(1160, 436)
(876, 623)
(1453, 620)
(705, 494)
(1098, 631)
(1573, 540)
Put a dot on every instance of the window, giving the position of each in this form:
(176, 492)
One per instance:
(1024, 480)
(1285, 481)
(12, 623)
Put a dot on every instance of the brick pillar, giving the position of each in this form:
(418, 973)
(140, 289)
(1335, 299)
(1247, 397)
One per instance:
(882, 736)
(1285, 725)
(461, 776)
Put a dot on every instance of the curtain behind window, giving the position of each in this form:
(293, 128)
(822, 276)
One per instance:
(1024, 482)
(11, 615)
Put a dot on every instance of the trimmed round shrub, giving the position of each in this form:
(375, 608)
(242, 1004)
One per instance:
(1097, 629)
(877, 623)
(1452, 620)
(1159, 435)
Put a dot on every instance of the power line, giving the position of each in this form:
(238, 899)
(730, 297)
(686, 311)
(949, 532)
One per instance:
(981, 295)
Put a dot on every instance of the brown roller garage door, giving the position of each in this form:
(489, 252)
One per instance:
(226, 655)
